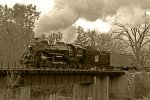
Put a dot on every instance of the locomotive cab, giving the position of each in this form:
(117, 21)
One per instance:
(92, 56)
(76, 54)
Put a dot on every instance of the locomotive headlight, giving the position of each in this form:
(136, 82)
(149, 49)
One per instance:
(29, 47)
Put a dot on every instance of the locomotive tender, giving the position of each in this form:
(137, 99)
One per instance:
(42, 54)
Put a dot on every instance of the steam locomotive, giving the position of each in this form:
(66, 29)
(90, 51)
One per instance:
(42, 54)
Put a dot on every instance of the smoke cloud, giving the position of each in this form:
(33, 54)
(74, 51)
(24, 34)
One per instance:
(69, 34)
(66, 12)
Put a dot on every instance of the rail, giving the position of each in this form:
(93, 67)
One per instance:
(7, 65)
(41, 66)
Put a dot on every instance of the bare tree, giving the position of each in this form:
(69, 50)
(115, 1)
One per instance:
(8, 85)
(105, 42)
(136, 37)
(119, 46)
(93, 38)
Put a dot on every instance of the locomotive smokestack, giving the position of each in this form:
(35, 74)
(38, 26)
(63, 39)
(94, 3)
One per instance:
(36, 40)
(66, 12)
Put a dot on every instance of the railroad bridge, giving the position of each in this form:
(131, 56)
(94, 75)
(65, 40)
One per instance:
(96, 83)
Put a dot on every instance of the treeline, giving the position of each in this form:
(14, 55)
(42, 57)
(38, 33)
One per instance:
(100, 41)
(17, 24)
(16, 29)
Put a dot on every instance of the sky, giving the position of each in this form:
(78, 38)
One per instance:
(89, 14)
(43, 5)
(46, 6)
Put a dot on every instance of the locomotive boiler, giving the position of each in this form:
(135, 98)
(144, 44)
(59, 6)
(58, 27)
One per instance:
(59, 53)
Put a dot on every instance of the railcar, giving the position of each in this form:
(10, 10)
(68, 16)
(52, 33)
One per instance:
(122, 61)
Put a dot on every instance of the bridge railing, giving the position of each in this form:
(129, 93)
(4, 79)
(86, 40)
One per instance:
(9, 65)
(16, 65)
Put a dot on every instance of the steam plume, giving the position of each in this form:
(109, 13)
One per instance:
(70, 34)
(67, 12)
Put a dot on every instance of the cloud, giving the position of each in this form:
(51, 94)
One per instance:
(132, 16)
(66, 12)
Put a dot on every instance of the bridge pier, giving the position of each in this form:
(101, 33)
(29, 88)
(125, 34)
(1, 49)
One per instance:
(99, 90)
(117, 87)
(23, 93)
